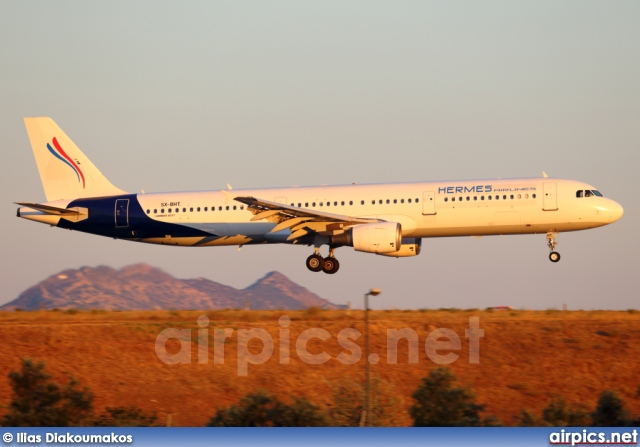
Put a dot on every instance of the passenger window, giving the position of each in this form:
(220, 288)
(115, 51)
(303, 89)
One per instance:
(177, 210)
(362, 202)
(579, 193)
(534, 196)
(504, 197)
(511, 196)
(446, 199)
(488, 197)
(306, 204)
(519, 196)
(380, 201)
(417, 200)
(401, 200)
(313, 204)
(409, 200)
(155, 211)
(234, 207)
(475, 197)
(351, 202)
(299, 205)
(162, 211)
(320, 203)
(342, 203)
(198, 209)
(148, 211)
(468, 198)
(227, 207)
(191, 210)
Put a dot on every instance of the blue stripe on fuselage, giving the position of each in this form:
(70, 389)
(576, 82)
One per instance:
(101, 221)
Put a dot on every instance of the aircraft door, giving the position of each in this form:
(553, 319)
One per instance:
(122, 212)
(428, 203)
(549, 197)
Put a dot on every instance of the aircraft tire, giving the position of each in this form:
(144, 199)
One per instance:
(330, 265)
(315, 263)
(554, 256)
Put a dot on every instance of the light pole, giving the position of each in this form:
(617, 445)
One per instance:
(372, 292)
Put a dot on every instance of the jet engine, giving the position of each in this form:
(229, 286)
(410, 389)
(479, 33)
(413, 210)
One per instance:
(410, 247)
(378, 237)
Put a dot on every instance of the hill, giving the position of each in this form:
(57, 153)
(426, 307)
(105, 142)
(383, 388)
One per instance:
(526, 358)
(142, 287)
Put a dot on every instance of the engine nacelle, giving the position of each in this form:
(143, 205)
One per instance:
(379, 237)
(410, 247)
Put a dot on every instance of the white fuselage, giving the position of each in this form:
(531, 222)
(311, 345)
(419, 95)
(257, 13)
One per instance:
(425, 209)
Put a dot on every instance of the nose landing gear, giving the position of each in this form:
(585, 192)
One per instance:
(554, 256)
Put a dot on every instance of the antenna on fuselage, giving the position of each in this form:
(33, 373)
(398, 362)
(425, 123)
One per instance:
(544, 174)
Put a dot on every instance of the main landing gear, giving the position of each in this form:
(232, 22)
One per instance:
(554, 256)
(329, 265)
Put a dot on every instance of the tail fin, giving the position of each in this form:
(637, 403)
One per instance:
(66, 173)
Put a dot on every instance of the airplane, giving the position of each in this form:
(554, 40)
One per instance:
(389, 219)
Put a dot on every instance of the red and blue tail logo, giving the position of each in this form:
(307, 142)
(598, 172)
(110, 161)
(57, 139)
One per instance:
(62, 156)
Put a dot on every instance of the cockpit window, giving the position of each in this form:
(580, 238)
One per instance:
(588, 193)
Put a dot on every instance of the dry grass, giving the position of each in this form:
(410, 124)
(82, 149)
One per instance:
(526, 357)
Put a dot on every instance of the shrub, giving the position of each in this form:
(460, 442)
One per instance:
(125, 417)
(39, 402)
(610, 411)
(441, 403)
(263, 410)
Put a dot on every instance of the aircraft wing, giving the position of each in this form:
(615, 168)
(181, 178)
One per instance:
(300, 221)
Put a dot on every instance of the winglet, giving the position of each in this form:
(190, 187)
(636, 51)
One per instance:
(228, 195)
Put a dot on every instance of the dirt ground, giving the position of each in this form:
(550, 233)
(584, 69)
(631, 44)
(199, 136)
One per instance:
(525, 357)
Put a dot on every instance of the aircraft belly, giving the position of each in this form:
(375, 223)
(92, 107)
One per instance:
(248, 229)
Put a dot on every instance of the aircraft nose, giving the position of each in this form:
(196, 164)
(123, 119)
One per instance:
(613, 211)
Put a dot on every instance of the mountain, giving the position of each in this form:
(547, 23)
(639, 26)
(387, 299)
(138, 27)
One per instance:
(142, 287)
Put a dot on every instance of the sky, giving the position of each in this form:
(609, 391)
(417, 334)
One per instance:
(193, 95)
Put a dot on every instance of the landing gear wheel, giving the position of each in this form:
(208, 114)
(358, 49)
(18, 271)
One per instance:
(554, 256)
(330, 265)
(315, 263)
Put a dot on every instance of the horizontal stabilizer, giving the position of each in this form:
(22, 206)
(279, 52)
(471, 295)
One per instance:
(53, 210)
